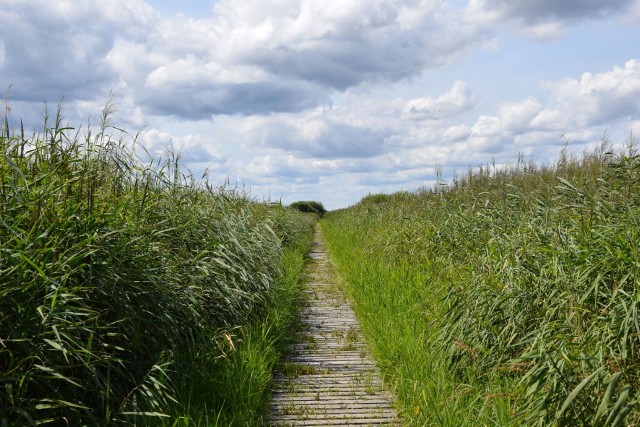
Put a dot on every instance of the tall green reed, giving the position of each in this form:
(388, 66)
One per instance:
(118, 275)
(524, 281)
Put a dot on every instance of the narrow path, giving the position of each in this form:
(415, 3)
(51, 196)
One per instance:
(328, 378)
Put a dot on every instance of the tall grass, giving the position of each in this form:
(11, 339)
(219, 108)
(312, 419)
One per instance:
(509, 297)
(234, 387)
(122, 281)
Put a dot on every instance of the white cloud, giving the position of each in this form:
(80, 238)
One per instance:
(343, 44)
(321, 133)
(544, 20)
(454, 102)
(633, 16)
(579, 107)
(456, 133)
(552, 119)
(55, 49)
(517, 116)
(291, 55)
(595, 99)
(543, 31)
(193, 149)
(308, 43)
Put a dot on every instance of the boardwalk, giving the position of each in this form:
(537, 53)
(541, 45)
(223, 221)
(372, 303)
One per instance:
(329, 379)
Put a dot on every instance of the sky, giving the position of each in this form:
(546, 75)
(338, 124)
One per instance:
(331, 101)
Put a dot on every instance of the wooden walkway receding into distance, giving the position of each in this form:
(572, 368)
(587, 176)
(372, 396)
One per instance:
(328, 377)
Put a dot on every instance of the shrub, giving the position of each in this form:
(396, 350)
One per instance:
(309, 207)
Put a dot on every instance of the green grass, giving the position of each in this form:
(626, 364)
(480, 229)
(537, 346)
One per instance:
(131, 292)
(235, 390)
(509, 297)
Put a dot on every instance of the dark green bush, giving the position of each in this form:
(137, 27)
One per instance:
(309, 207)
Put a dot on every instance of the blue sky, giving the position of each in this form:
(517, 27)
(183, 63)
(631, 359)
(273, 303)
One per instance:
(192, 8)
(304, 99)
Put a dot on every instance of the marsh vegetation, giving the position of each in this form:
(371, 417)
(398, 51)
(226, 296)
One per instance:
(507, 297)
(131, 292)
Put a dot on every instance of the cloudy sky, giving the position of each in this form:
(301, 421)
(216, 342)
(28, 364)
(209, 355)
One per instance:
(330, 101)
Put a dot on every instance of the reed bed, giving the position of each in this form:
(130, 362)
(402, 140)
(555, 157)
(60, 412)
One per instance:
(128, 288)
(507, 297)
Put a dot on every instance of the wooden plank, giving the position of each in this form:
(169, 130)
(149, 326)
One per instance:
(329, 379)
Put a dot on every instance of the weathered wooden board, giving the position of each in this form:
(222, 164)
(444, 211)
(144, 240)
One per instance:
(329, 378)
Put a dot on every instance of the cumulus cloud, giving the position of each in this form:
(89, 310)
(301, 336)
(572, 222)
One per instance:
(595, 99)
(281, 164)
(342, 44)
(456, 101)
(248, 57)
(256, 58)
(545, 10)
(578, 106)
(192, 148)
(249, 98)
(316, 134)
(57, 48)
(456, 133)
(544, 19)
